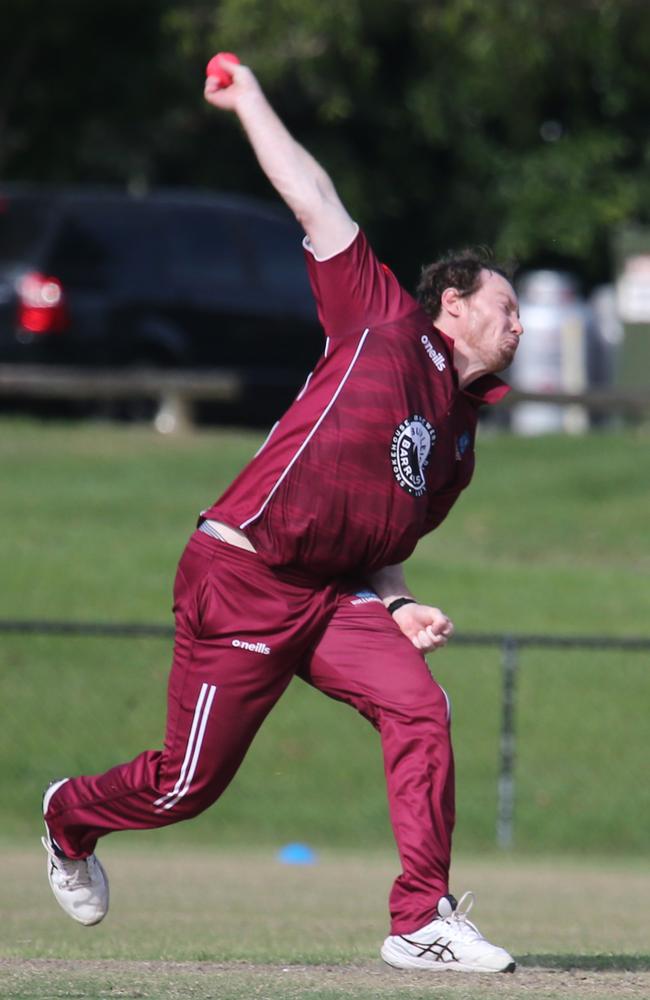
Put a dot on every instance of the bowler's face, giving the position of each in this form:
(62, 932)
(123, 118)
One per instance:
(493, 324)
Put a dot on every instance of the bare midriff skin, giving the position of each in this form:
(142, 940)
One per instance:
(233, 536)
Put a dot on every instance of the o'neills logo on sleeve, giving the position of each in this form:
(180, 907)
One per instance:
(409, 453)
(438, 359)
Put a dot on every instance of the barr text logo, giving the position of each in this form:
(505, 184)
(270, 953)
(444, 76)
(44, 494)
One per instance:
(409, 453)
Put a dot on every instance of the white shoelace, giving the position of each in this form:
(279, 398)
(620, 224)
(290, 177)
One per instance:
(459, 918)
(75, 872)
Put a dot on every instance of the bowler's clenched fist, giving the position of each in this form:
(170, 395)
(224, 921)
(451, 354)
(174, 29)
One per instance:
(428, 628)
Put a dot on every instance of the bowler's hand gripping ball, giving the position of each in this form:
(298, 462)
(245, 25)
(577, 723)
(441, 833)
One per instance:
(218, 71)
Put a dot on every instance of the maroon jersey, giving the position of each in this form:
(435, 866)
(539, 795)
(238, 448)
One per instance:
(377, 445)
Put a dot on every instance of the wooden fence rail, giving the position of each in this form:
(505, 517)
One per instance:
(175, 390)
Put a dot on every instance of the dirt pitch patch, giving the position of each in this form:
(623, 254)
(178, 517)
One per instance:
(51, 979)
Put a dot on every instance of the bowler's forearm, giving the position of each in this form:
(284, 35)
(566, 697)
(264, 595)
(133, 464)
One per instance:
(298, 178)
(389, 583)
(287, 165)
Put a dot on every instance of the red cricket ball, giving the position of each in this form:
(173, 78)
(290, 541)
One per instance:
(216, 69)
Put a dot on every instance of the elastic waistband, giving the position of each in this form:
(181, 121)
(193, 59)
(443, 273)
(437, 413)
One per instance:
(209, 539)
(298, 578)
(208, 528)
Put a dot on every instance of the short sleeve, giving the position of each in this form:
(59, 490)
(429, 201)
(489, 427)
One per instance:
(354, 290)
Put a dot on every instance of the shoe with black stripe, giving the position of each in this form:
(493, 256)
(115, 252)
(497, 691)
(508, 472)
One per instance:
(451, 941)
(80, 886)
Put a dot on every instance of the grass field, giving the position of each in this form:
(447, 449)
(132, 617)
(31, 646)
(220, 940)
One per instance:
(208, 924)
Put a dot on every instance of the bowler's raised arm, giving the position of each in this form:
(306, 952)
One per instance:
(299, 179)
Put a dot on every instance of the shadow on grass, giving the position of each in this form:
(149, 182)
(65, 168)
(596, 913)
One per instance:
(592, 963)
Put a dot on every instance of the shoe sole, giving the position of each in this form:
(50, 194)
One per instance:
(405, 963)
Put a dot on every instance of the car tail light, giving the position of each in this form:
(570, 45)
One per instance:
(41, 304)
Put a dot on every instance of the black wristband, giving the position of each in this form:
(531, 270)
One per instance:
(399, 602)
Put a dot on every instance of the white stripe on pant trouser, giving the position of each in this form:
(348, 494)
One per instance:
(448, 700)
(197, 732)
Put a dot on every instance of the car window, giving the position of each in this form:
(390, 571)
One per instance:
(279, 255)
(78, 255)
(22, 223)
(204, 250)
(109, 244)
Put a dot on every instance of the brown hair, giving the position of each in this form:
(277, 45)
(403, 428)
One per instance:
(460, 269)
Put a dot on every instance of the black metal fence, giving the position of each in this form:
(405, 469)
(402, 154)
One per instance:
(510, 645)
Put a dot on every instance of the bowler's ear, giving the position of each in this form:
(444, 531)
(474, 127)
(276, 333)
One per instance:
(450, 300)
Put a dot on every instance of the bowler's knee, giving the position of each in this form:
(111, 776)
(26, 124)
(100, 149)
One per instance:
(426, 701)
(180, 804)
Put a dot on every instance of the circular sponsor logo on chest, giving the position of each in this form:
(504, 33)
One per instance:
(409, 453)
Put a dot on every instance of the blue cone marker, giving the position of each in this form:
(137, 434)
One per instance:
(296, 854)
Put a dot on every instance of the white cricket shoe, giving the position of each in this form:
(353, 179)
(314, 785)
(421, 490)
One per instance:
(449, 942)
(80, 887)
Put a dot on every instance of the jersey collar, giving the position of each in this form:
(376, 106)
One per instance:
(487, 389)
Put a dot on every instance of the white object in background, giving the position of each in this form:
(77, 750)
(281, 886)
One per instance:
(633, 289)
(552, 354)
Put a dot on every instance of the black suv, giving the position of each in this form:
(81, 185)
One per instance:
(173, 278)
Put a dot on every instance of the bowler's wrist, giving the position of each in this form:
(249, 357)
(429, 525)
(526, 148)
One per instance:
(393, 604)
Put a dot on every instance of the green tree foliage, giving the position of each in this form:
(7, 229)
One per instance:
(443, 122)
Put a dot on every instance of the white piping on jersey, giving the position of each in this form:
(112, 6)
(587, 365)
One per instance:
(191, 759)
(302, 447)
(308, 379)
(305, 387)
(266, 439)
(448, 700)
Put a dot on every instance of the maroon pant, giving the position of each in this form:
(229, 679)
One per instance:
(242, 633)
